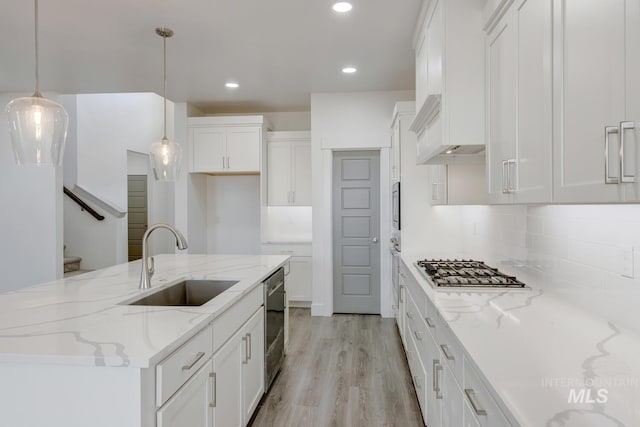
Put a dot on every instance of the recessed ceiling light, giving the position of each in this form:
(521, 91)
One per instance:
(349, 70)
(232, 85)
(342, 6)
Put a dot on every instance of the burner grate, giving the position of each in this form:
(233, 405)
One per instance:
(466, 273)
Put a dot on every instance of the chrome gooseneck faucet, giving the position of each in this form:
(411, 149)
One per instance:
(148, 263)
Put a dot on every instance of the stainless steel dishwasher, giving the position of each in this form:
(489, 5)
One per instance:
(274, 303)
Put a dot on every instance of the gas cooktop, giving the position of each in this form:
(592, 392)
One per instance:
(465, 274)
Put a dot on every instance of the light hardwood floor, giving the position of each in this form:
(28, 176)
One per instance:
(342, 371)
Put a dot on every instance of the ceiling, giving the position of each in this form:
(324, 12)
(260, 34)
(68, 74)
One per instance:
(279, 51)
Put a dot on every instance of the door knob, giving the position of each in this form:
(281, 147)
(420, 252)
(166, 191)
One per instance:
(374, 240)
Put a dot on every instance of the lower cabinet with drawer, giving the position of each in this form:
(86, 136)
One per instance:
(216, 379)
(449, 390)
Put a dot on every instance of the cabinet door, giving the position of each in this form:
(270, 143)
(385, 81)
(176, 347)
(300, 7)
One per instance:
(470, 420)
(301, 177)
(589, 94)
(632, 113)
(395, 152)
(243, 149)
(501, 106)
(402, 290)
(279, 173)
(190, 406)
(253, 364)
(533, 167)
(207, 149)
(434, 43)
(452, 402)
(227, 368)
(438, 184)
(299, 279)
(433, 382)
(421, 69)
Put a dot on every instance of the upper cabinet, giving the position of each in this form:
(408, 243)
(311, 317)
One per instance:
(289, 169)
(449, 80)
(519, 49)
(596, 100)
(403, 114)
(226, 144)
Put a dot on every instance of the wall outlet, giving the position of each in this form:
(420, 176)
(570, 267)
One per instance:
(627, 261)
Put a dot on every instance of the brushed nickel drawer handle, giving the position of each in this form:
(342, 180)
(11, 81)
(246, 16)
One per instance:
(249, 339)
(471, 395)
(245, 339)
(409, 315)
(418, 337)
(195, 360)
(214, 391)
(623, 175)
(429, 322)
(417, 381)
(445, 350)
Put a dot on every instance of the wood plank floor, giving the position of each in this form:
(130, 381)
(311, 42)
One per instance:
(342, 371)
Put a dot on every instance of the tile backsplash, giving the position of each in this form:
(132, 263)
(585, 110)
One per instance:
(588, 255)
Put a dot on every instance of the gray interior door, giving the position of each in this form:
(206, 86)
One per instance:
(356, 228)
(137, 213)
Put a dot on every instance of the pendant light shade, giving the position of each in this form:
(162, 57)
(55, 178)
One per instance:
(38, 126)
(165, 155)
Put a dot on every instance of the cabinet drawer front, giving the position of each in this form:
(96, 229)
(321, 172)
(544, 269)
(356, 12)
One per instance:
(417, 328)
(451, 351)
(301, 250)
(180, 365)
(480, 400)
(232, 319)
(414, 289)
(418, 374)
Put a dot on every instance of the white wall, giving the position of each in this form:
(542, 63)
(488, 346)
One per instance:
(105, 130)
(345, 121)
(233, 214)
(31, 217)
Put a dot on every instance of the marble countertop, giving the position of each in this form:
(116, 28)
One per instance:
(79, 321)
(534, 348)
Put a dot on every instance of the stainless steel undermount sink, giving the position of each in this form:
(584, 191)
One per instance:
(186, 293)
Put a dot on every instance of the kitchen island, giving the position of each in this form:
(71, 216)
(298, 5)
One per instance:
(72, 353)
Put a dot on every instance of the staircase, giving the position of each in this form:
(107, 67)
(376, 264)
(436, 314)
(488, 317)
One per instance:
(72, 266)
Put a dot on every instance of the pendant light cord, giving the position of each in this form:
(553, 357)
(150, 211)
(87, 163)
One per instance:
(164, 38)
(37, 93)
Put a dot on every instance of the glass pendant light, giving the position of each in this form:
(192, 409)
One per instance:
(165, 155)
(38, 126)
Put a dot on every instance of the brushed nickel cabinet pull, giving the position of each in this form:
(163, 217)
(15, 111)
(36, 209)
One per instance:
(245, 339)
(195, 360)
(471, 395)
(608, 130)
(445, 350)
(214, 391)
(623, 127)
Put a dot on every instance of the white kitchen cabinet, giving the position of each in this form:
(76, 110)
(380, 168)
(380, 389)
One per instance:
(289, 169)
(400, 316)
(298, 276)
(453, 401)
(449, 80)
(449, 390)
(238, 372)
(401, 137)
(227, 388)
(438, 184)
(458, 183)
(597, 81)
(192, 405)
(226, 145)
(253, 366)
(299, 281)
(519, 104)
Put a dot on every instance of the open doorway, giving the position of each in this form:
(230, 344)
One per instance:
(137, 210)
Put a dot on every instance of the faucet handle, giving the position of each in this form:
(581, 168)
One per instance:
(152, 264)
